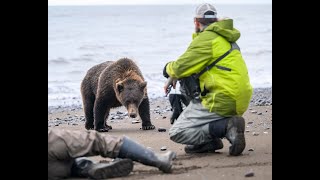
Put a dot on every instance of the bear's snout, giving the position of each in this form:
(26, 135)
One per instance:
(133, 115)
(132, 110)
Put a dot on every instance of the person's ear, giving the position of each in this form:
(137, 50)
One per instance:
(196, 25)
(196, 22)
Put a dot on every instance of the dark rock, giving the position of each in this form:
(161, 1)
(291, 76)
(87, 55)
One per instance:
(249, 174)
(163, 148)
(160, 129)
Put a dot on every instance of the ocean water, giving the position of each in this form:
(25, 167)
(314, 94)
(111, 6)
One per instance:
(82, 36)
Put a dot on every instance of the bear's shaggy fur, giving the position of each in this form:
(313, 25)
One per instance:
(113, 84)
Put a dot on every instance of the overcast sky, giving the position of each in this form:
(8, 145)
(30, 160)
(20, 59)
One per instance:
(101, 2)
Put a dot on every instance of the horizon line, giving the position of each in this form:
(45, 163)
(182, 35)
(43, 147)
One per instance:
(223, 3)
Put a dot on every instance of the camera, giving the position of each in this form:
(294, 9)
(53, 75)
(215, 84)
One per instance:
(191, 86)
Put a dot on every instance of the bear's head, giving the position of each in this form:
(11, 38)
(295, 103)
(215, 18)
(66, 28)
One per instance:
(130, 92)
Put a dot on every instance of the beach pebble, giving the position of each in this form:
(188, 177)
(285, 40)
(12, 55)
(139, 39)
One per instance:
(164, 117)
(265, 132)
(135, 121)
(163, 148)
(247, 130)
(249, 174)
(251, 149)
(259, 113)
(255, 133)
(250, 122)
(160, 129)
(253, 111)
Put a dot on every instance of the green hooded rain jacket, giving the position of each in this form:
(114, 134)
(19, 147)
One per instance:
(227, 83)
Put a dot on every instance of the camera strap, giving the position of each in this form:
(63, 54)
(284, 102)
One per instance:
(233, 46)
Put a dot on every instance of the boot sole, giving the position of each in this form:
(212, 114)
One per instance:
(238, 146)
(119, 168)
(208, 148)
(239, 143)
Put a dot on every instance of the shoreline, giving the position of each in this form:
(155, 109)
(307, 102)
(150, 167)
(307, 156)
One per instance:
(260, 97)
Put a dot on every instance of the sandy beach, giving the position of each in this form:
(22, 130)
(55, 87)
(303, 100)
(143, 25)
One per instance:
(256, 159)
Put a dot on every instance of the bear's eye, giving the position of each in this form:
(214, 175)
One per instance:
(120, 88)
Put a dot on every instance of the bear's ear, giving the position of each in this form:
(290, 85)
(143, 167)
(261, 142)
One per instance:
(143, 84)
(119, 87)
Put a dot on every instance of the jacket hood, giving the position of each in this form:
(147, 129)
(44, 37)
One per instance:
(225, 28)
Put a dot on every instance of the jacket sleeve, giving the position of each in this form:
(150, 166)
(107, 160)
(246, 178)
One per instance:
(196, 57)
(164, 72)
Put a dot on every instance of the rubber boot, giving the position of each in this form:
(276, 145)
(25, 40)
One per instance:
(233, 129)
(132, 150)
(235, 135)
(84, 167)
(212, 146)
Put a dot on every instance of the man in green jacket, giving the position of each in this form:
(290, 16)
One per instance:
(225, 88)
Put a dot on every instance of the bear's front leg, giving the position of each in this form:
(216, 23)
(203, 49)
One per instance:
(144, 112)
(101, 113)
(105, 120)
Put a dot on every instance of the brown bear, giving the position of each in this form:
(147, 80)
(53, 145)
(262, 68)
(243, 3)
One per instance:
(113, 84)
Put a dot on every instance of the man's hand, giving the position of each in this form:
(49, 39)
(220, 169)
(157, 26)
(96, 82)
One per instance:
(171, 83)
(167, 90)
